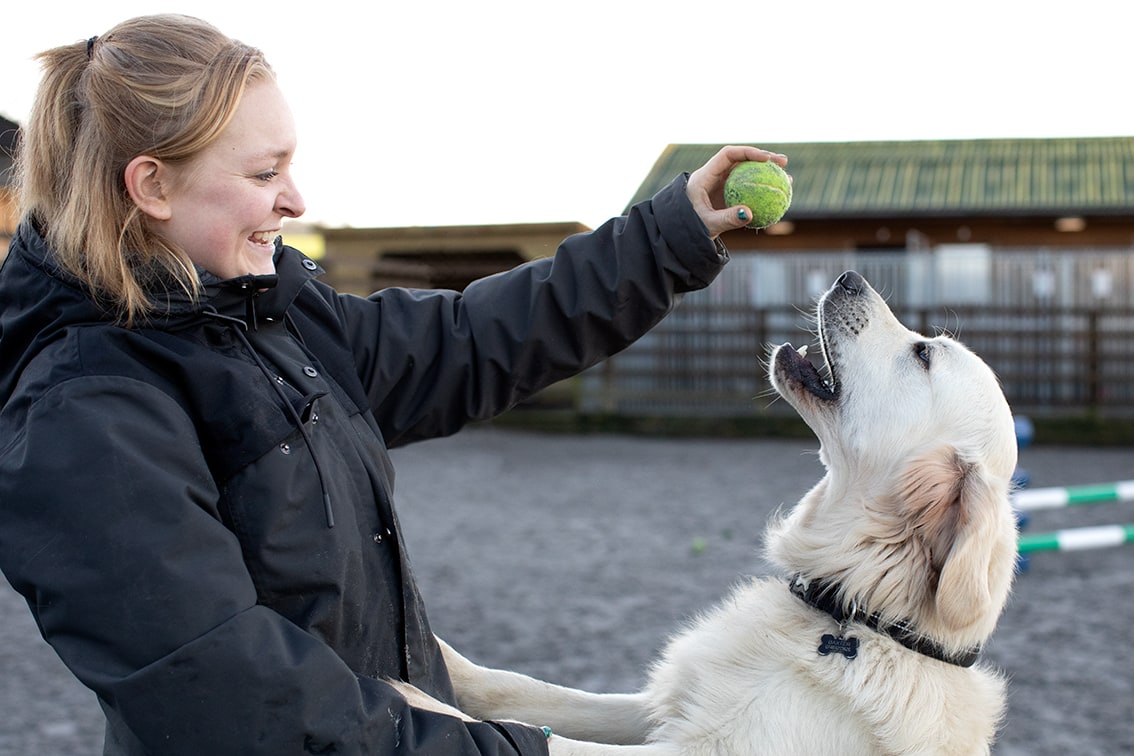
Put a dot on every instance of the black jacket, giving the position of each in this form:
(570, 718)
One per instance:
(199, 510)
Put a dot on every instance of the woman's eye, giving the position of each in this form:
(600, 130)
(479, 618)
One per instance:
(267, 175)
(923, 353)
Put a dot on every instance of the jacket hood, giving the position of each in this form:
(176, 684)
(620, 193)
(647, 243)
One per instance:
(39, 300)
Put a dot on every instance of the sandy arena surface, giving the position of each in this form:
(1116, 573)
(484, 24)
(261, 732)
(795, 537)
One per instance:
(572, 558)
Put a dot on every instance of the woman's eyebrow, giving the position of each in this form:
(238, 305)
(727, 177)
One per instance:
(272, 154)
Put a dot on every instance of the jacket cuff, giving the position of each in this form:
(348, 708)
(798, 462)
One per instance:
(686, 235)
(525, 738)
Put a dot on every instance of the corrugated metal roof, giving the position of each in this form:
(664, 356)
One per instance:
(1065, 176)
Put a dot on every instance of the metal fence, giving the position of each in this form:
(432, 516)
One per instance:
(1058, 331)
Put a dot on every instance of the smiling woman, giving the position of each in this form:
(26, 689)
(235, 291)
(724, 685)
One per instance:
(222, 563)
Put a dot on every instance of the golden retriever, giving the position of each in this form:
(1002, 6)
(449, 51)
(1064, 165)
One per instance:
(896, 565)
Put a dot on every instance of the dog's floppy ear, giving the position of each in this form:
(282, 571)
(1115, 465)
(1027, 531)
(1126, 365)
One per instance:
(963, 591)
(954, 513)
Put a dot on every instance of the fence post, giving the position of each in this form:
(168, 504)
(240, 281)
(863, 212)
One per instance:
(608, 401)
(1094, 398)
(762, 340)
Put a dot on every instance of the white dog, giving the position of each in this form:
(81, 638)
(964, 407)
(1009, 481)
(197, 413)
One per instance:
(897, 565)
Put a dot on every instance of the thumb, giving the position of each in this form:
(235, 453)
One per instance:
(719, 221)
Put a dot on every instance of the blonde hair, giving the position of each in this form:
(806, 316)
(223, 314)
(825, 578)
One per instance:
(164, 86)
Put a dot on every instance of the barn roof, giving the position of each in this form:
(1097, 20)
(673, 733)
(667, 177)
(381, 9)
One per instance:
(950, 178)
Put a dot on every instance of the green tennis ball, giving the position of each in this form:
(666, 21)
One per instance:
(764, 188)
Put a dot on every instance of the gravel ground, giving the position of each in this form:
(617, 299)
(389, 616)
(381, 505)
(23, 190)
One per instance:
(572, 558)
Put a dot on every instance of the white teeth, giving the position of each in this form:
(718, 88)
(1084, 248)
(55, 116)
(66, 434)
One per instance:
(802, 351)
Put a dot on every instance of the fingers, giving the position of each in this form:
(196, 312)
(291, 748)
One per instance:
(706, 187)
(727, 158)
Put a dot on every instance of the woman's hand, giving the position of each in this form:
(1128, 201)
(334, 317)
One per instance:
(706, 187)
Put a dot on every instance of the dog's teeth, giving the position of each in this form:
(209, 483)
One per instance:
(802, 351)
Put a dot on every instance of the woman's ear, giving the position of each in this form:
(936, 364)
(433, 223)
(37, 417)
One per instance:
(144, 175)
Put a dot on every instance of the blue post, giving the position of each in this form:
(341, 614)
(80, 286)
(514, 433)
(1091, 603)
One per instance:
(1021, 478)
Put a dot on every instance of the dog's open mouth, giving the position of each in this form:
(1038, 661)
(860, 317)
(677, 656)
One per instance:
(793, 367)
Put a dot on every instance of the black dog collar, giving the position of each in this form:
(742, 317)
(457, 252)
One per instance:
(824, 597)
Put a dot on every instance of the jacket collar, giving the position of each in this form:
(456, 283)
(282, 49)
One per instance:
(40, 298)
(247, 298)
(251, 298)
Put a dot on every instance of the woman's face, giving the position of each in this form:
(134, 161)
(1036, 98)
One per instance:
(227, 204)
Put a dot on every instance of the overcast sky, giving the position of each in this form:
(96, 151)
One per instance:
(442, 113)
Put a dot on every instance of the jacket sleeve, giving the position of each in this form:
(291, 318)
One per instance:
(431, 361)
(109, 529)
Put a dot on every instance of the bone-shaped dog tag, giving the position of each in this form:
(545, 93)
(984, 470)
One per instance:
(848, 647)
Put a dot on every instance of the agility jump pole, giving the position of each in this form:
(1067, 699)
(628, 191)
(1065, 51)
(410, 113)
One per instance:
(1077, 539)
(1056, 498)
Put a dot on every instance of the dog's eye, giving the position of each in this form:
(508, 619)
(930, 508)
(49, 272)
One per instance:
(923, 352)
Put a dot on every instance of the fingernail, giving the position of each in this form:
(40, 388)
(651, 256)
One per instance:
(742, 214)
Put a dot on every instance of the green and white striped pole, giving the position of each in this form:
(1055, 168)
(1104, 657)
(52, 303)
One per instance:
(1073, 539)
(1077, 539)
(1032, 499)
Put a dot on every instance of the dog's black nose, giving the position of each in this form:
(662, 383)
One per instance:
(851, 282)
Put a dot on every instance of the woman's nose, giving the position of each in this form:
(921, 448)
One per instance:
(290, 202)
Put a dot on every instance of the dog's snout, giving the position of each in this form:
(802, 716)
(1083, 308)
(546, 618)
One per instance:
(851, 282)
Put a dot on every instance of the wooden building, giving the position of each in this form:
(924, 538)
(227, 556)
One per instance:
(1024, 247)
(1007, 221)
(1000, 192)
(9, 130)
(363, 260)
